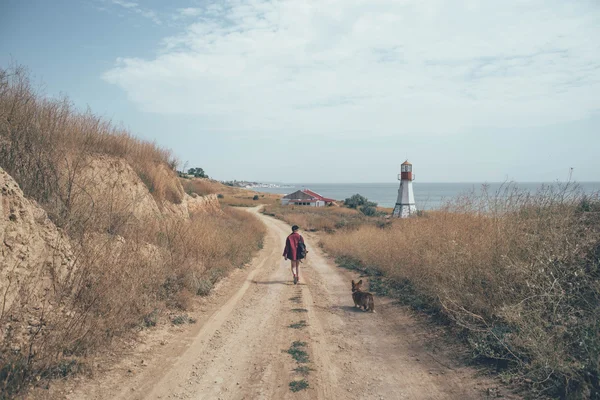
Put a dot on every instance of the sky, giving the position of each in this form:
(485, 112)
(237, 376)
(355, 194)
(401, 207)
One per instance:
(331, 90)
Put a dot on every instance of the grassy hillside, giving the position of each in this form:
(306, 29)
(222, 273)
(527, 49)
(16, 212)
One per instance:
(132, 249)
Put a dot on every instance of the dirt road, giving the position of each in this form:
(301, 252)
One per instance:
(238, 349)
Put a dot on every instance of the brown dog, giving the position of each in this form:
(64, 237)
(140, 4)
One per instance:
(362, 299)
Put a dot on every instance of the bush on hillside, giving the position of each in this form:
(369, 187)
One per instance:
(369, 209)
(197, 172)
(355, 201)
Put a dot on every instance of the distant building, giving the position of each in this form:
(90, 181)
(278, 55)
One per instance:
(306, 197)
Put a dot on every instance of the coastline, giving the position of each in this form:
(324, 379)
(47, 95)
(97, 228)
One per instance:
(428, 195)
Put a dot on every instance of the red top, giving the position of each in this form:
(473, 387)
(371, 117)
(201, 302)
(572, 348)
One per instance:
(291, 245)
(318, 196)
(406, 176)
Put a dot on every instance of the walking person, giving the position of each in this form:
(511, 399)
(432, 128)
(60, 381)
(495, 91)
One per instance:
(295, 250)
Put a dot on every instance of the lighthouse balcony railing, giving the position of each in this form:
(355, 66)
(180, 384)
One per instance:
(413, 177)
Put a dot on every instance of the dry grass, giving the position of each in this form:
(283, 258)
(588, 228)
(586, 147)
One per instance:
(229, 195)
(45, 144)
(117, 285)
(519, 273)
(203, 186)
(325, 219)
(127, 268)
(247, 199)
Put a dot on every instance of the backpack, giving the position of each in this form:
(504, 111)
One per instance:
(301, 251)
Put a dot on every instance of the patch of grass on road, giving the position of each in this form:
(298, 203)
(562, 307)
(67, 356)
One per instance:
(297, 353)
(303, 370)
(296, 386)
(299, 325)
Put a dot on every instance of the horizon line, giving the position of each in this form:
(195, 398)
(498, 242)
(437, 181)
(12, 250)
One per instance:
(478, 182)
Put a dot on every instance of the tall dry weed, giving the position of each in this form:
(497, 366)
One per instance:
(45, 144)
(520, 272)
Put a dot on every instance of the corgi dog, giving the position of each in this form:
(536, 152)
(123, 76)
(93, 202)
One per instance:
(362, 299)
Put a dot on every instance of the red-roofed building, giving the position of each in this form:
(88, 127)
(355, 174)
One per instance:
(306, 197)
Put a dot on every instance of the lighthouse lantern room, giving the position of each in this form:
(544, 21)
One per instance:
(405, 205)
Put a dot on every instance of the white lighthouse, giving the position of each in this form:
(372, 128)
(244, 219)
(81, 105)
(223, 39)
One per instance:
(405, 205)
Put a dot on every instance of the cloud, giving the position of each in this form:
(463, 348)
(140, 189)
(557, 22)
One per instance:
(125, 4)
(189, 12)
(135, 7)
(377, 67)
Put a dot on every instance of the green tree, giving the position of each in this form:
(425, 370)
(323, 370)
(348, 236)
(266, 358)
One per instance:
(197, 172)
(355, 201)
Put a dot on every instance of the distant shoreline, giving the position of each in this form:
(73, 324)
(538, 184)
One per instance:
(427, 195)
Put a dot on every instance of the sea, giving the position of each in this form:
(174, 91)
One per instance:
(428, 196)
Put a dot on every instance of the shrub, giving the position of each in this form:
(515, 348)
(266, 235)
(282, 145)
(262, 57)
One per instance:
(197, 173)
(355, 201)
(369, 209)
(255, 197)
